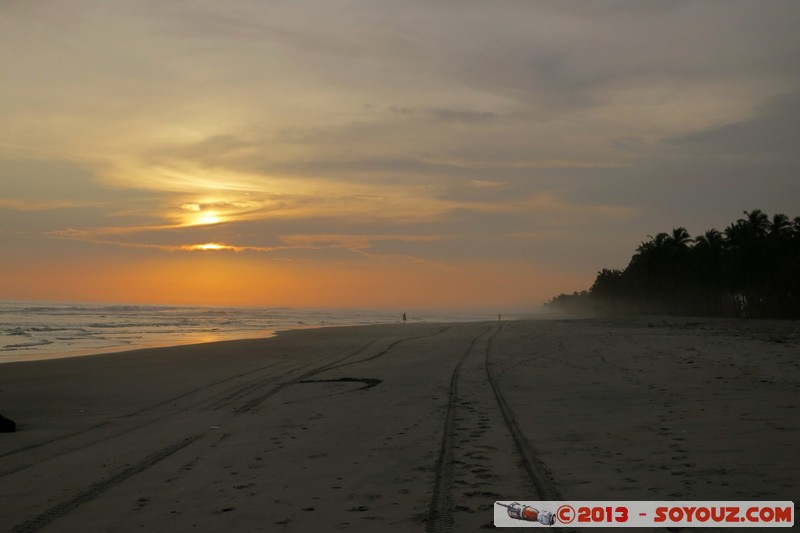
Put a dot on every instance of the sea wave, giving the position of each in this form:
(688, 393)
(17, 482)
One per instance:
(21, 346)
(50, 329)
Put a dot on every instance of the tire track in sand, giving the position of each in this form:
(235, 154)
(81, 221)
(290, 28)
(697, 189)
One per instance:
(230, 394)
(440, 517)
(94, 490)
(538, 472)
(466, 422)
(132, 414)
(253, 403)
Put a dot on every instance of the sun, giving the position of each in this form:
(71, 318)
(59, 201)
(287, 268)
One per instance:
(206, 218)
(210, 246)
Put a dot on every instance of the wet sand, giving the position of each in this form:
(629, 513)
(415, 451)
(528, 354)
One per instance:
(402, 427)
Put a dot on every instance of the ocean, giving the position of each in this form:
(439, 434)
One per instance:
(38, 330)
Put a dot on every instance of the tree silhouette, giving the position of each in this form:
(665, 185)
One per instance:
(756, 221)
(751, 269)
(680, 238)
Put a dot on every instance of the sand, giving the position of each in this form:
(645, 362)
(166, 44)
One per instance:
(401, 427)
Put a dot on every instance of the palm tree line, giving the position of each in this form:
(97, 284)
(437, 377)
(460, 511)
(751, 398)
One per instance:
(749, 270)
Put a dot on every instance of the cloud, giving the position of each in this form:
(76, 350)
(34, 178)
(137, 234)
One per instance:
(449, 115)
(568, 58)
(448, 132)
(774, 130)
(49, 181)
(484, 184)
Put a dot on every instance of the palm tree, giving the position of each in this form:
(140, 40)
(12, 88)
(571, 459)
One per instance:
(757, 221)
(752, 268)
(780, 226)
(608, 290)
(711, 239)
(680, 238)
(707, 256)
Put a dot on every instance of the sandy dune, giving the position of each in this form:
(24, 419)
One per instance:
(402, 427)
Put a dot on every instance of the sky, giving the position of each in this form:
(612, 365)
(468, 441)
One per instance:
(380, 153)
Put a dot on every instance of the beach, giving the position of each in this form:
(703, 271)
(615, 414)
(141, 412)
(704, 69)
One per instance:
(401, 427)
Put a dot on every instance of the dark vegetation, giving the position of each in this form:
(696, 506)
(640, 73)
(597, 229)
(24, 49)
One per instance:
(749, 270)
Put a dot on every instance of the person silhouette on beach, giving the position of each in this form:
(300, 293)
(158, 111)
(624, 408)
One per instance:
(404, 318)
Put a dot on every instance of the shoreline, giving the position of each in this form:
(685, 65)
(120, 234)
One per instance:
(400, 426)
(125, 349)
(651, 320)
(32, 330)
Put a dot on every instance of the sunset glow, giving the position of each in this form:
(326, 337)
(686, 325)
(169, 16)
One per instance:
(369, 154)
(210, 246)
(204, 219)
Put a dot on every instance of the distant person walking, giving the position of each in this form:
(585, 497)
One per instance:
(404, 318)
